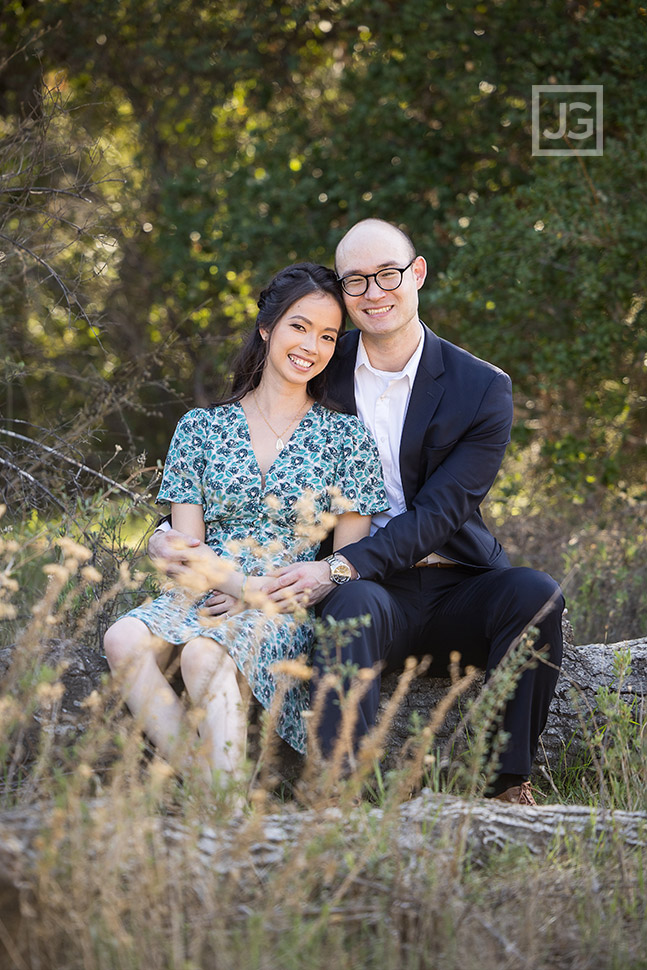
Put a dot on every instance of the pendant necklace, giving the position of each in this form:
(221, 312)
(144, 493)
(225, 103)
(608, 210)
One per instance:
(280, 444)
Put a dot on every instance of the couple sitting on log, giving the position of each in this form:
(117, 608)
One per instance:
(397, 433)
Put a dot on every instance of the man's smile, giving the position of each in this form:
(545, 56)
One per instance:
(378, 311)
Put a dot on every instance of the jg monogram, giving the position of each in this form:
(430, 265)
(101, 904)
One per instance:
(579, 128)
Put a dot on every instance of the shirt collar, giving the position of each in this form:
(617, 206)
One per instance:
(408, 371)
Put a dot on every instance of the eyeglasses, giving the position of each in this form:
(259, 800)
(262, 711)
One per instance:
(386, 279)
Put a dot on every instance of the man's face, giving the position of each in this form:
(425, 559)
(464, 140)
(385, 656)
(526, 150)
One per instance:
(379, 313)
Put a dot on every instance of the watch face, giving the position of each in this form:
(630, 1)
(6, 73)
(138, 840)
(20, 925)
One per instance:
(339, 570)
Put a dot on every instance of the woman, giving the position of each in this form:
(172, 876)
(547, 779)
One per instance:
(249, 478)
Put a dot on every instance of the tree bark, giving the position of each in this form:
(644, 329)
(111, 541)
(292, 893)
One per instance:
(465, 829)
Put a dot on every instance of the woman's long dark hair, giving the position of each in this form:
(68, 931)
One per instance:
(284, 289)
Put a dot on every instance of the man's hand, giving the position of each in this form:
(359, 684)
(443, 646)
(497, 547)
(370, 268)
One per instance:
(304, 582)
(256, 597)
(168, 550)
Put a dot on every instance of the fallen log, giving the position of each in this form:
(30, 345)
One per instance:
(429, 828)
(574, 712)
(468, 830)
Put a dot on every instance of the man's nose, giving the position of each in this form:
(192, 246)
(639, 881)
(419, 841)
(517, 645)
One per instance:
(373, 291)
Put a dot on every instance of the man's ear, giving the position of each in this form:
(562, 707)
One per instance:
(419, 268)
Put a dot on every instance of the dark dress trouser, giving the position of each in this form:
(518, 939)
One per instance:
(477, 612)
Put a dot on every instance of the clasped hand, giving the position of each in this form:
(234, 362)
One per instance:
(192, 563)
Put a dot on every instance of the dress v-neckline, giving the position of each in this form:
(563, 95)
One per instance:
(264, 477)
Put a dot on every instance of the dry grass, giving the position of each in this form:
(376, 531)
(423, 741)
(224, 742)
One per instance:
(133, 869)
(602, 548)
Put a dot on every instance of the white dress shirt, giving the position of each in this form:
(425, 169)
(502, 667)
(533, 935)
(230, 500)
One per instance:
(382, 399)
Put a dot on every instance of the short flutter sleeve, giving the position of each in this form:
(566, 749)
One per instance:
(185, 461)
(358, 474)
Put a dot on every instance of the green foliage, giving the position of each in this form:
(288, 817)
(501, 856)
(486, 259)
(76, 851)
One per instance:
(555, 270)
(79, 565)
(205, 147)
(620, 741)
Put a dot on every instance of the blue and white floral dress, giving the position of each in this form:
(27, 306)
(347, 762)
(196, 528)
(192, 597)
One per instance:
(330, 464)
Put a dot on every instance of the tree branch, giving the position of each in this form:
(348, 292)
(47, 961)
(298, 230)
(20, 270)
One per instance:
(78, 464)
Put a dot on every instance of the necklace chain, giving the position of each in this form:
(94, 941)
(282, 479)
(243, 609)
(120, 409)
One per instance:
(280, 444)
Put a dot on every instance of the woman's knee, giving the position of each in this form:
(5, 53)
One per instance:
(126, 640)
(118, 644)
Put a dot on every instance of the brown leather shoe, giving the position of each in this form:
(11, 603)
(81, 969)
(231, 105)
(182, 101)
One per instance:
(518, 795)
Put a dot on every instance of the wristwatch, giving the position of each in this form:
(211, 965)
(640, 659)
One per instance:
(340, 571)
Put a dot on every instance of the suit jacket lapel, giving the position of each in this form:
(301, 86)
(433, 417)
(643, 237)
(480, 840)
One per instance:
(426, 394)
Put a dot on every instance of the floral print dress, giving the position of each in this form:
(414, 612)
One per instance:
(330, 464)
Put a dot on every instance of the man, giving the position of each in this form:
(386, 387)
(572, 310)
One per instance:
(431, 576)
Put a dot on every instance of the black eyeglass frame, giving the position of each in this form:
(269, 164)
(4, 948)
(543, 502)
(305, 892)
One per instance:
(374, 276)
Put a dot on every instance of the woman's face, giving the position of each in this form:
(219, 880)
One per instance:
(303, 340)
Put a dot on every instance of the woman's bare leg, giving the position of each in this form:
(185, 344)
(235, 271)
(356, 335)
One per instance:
(214, 684)
(137, 659)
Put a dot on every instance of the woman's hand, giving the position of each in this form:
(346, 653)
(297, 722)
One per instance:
(200, 568)
(220, 603)
(256, 596)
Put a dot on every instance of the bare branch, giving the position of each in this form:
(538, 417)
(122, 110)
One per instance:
(34, 481)
(70, 298)
(78, 464)
(37, 36)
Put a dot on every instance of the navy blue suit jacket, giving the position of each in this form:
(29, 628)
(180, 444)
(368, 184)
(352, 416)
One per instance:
(455, 434)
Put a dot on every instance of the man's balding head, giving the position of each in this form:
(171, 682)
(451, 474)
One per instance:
(368, 232)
